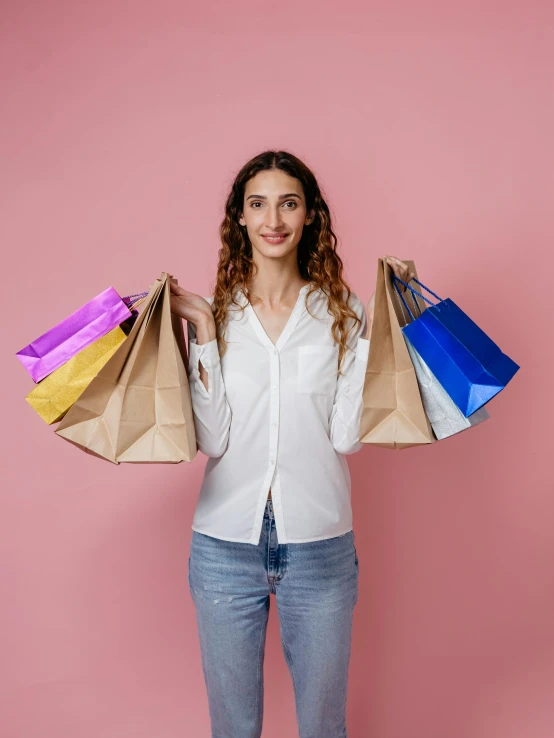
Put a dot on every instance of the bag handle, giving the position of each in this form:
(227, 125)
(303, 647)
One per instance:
(401, 301)
(133, 301)
(414, 292)
(133, 305)
(130, 298)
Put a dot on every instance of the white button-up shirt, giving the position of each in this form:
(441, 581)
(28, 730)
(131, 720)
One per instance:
(278, 416)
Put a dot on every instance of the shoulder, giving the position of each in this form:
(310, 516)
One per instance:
(231, 308)
(359, 308)
(355, 303)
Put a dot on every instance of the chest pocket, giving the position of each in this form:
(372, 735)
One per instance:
(317, 369)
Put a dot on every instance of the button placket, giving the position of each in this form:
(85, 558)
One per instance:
(274, 362)
(274, 406)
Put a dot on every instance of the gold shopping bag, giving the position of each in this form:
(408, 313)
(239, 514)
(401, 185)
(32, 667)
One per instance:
(55, 394)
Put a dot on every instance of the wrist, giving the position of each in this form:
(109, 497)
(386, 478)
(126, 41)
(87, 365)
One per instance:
(205, 331)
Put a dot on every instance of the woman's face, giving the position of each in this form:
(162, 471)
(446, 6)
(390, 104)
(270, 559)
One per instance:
(274, 205)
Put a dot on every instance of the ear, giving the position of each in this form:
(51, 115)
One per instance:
(242, 222)
(310, 217)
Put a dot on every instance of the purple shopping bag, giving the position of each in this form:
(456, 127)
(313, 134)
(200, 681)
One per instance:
(87, 324)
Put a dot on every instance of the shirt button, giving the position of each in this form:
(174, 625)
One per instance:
(274, 386)
(275, 425)
(272, 461)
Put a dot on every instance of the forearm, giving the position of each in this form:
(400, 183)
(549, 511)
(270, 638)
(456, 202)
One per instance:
(205, 332)
(212, 412)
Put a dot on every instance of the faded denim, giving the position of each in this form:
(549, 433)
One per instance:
(316, 588)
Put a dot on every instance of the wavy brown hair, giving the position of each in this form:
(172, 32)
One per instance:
(318, 259)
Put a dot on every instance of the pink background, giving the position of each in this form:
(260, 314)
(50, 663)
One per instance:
(430, 127)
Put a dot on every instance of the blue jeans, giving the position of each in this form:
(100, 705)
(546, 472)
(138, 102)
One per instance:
(316, 589)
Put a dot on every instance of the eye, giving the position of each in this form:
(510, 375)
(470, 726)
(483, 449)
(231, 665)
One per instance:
(288, 202)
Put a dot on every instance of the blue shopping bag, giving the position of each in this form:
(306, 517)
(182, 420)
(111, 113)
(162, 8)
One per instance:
(466, 362)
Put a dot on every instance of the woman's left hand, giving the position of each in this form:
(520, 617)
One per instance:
(403, 272)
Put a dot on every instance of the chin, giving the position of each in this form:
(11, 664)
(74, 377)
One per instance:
(274, 251)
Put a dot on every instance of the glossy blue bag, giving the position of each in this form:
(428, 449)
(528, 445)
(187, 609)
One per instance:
(467, 363)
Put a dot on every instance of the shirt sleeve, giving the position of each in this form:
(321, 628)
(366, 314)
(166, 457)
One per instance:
(346, 414)
(212, 413)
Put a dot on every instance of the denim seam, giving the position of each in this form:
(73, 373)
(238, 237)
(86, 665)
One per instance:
(291, 665)
(259, 671)
(268, 547)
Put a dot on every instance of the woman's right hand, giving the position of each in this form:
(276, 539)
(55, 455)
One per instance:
(189, 306)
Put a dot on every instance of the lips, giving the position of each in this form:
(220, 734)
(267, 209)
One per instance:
(275, 238)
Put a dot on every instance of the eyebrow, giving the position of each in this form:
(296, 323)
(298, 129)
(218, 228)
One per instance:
(281, 197)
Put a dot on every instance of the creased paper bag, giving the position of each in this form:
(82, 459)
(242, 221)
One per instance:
(393, 415)
(138, 408)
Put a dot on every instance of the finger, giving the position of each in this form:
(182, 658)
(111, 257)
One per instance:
(394, 262)
(407, 274)
(402, 266)
(400, 262)
(400, 272)
(403, 273)
(392, 265)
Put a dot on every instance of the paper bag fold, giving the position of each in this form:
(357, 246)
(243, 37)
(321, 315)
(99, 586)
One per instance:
(392, 413)
(138, 408)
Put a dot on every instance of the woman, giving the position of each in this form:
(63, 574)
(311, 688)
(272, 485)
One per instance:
(277, 364)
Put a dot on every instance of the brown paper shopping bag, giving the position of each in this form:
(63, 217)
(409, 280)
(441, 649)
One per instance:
(392, 415)
(138, 407)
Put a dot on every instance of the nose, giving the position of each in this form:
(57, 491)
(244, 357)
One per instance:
(274, 218)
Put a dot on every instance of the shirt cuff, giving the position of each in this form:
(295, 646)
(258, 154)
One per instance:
(209, 353)
(362, 349)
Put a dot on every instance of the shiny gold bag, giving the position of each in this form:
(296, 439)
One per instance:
(55, 394)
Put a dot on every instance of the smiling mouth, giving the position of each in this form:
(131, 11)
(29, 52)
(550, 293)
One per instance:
(276, 239)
